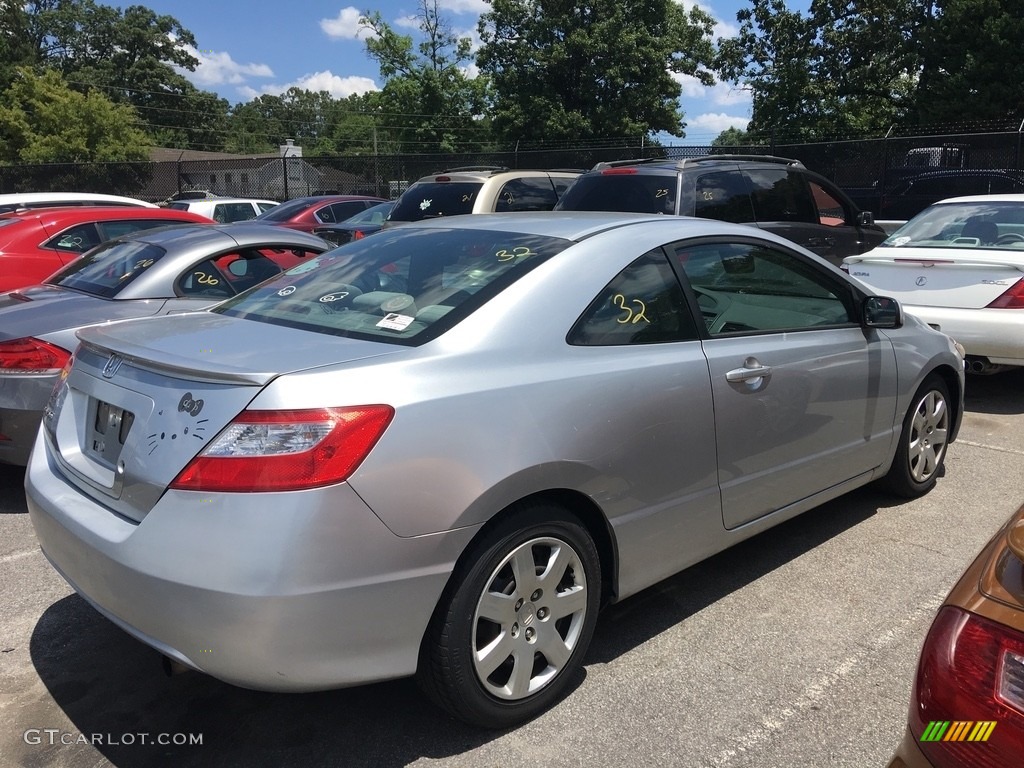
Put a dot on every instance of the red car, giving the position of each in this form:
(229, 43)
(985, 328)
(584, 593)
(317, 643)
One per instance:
(36, 243)
(967, 704)
(307, 213)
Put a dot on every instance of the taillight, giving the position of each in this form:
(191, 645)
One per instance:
(1012, 298)
(618, 171)
(31, 357)
(358, 234)
(971, 675)
(286, 450)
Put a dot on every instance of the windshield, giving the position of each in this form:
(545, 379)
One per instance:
(404, 285)
(108, 268)
(286, 211)
(988, 225)
(430, 199)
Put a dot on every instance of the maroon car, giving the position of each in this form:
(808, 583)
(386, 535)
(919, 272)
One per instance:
(36, 243)
(308, 213)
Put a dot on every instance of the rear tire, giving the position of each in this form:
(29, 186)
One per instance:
(510, 633)
(921, 452)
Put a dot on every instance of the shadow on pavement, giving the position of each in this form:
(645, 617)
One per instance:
(107, 683)
(996, 394)
(12, 489)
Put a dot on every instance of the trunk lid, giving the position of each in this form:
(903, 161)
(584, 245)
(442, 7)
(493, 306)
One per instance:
(143, 398)
(937, 278)
(44, 309)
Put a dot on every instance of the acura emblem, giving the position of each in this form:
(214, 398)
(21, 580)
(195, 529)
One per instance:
(112, 365)
(921, 280)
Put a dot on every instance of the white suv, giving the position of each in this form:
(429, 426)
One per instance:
(225, 210)
(481, 189)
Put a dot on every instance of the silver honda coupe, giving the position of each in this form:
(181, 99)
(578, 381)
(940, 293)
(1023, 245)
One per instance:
(440, 450)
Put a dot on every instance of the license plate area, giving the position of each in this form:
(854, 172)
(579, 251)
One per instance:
(108, 427)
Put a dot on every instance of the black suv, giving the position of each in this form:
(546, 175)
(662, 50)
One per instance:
(773, 193)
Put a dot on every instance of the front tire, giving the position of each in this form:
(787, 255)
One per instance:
(923, 441)
(511, 631)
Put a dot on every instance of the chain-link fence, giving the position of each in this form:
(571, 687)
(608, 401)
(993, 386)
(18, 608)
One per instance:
(865, 168)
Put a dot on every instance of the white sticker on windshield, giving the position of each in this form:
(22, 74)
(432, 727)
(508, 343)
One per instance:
(901, 241)
(395, 322)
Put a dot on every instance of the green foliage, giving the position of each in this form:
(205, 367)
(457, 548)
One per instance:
(42, 120)
(733, 137)
(568, 71)
(429, 103)
(972, 66)
(131, 54)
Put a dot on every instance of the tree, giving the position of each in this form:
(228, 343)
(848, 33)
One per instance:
(428, 103)
(568, 71)
(42, 120)
(132, 55)
(848, 67)
(15, 46)
(972, 67)
(732, 137)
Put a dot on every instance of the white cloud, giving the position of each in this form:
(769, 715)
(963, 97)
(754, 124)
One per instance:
(727, 94)
(407, 22)
(692, 87)
(464, 6)
(339, 87)
(710, 124)
(218, 68)
(345, 26)
(722, 28)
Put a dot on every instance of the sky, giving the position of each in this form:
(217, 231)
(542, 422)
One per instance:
(247, 48)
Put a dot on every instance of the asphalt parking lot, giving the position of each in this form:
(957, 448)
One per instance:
(796, 648)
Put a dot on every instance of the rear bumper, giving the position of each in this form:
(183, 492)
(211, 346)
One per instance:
(282, 592)
(908, 754)
(22, 399)
(997, 334)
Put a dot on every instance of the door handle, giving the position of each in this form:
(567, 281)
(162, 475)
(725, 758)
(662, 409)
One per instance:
(751, 369)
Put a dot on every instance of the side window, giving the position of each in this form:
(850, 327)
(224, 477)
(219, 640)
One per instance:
(231, 272)
(531, 194)
(746, 288)
(347, 210)
(829, 209)
(723, 195)
(561, 184)
(264, 207)
(205, 279)
(781, 195)
(643, 304)
(228, 212)
(77, 239)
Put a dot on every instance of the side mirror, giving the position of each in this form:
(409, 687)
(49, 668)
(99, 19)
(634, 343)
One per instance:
(866, 219)
(882, 312)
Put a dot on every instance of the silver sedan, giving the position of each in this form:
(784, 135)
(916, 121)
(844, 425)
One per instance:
(440, 450)
(171, 269)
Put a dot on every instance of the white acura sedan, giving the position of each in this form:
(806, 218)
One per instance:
(958, 265)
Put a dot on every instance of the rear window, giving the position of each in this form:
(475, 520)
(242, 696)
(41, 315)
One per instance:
(106, 270)
(621, 191)
(430, 199)
(404, 285)
(286, 211)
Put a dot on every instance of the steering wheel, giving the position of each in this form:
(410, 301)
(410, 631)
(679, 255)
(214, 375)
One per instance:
(1010, 237)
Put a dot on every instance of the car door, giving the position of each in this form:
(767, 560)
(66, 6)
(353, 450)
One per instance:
(803, 395)
(639, 336)
(783, 204)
